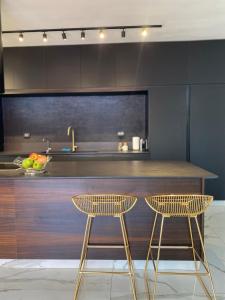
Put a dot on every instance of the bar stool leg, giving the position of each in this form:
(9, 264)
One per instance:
(192, 244)
(83, 255)
(128, 256)
(158, 256)
(206, 263)
(150, 243)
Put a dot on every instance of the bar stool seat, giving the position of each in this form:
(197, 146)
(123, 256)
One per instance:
(104, 205)
(188, 206)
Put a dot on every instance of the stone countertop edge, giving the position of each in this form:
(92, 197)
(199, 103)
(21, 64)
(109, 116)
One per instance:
(118, 170)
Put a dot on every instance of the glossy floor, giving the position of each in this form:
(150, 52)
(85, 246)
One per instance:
(48, 280)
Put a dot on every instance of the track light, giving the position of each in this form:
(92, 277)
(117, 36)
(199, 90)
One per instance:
(45, 37)
(82, 35)
(102, 31)
(21, 37)
(101, 34)
(123, 33)
(64, 37)
(144, 32)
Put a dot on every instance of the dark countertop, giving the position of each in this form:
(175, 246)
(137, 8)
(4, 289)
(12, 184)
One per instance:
(9, 156)
(120, 169)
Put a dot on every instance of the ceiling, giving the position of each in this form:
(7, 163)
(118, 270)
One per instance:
(182, 20)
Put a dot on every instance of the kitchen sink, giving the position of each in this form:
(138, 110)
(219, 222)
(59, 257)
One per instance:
(62, 152)
(8, 168)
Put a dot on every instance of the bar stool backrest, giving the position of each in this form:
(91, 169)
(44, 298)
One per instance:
(104, 204)
(179, 205)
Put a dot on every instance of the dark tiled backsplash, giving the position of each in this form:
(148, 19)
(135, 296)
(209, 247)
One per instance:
(95, 118)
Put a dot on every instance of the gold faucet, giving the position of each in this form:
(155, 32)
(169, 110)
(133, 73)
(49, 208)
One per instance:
(71, 129)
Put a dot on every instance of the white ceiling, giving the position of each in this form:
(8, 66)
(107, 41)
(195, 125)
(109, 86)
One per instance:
(181, 19)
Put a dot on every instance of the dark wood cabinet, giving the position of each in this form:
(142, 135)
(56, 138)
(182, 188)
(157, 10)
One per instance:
(208, 133)
(168, 121)
(98, 66)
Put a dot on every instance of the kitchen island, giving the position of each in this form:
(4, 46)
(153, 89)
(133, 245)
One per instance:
(39, 221)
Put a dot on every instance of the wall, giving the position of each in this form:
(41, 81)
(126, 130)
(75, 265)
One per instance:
(185, 102)
(95, 118)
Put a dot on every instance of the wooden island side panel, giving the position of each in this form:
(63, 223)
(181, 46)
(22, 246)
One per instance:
(39, 221)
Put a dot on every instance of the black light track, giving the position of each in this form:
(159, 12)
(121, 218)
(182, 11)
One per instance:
(80, 29)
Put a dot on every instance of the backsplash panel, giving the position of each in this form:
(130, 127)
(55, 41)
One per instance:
(95, 118)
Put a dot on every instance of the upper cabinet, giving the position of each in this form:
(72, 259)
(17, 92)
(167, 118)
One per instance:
(62, 66)
(95, 66)
(24, 68)
(98, 66)
(146, 64)
(206, 62)
(106, 66)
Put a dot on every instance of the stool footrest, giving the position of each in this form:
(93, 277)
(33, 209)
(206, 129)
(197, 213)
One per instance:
(183, 273)
(106, 246)
(105, 272)
(171, 247)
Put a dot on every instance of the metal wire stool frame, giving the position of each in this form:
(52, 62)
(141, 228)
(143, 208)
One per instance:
(104, 205)
(189, 206)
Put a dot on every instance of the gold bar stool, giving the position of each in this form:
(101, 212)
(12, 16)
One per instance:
(104, 205)
(188, 206)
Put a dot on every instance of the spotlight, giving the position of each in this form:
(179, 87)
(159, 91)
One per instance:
(45, 38)
(82, 35)
(101, 34)
(64, 37)
(21, 37)
(144, 32)
(123, 33)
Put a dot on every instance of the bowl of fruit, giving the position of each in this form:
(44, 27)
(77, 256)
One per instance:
(35, 164)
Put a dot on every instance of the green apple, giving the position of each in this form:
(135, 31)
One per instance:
(27, 163)
(38, 165)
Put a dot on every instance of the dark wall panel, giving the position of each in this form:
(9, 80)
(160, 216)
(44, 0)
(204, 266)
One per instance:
(151, 63)
(98, 66)
(206, 62)
(25, 68)
(63, 67)
(208, 133)
(168, 120)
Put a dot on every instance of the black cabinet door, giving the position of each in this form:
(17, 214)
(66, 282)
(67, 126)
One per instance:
(145, 64)
(206, 62)
(127, 58)
(168, 122)
(28, 68)
(98, 66)
(8, 65)
(208, 134)
(63, 67)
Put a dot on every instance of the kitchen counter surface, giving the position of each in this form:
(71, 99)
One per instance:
(120, 169)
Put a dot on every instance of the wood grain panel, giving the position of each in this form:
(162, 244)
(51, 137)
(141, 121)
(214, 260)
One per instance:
(8, 247)
(49, 227)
